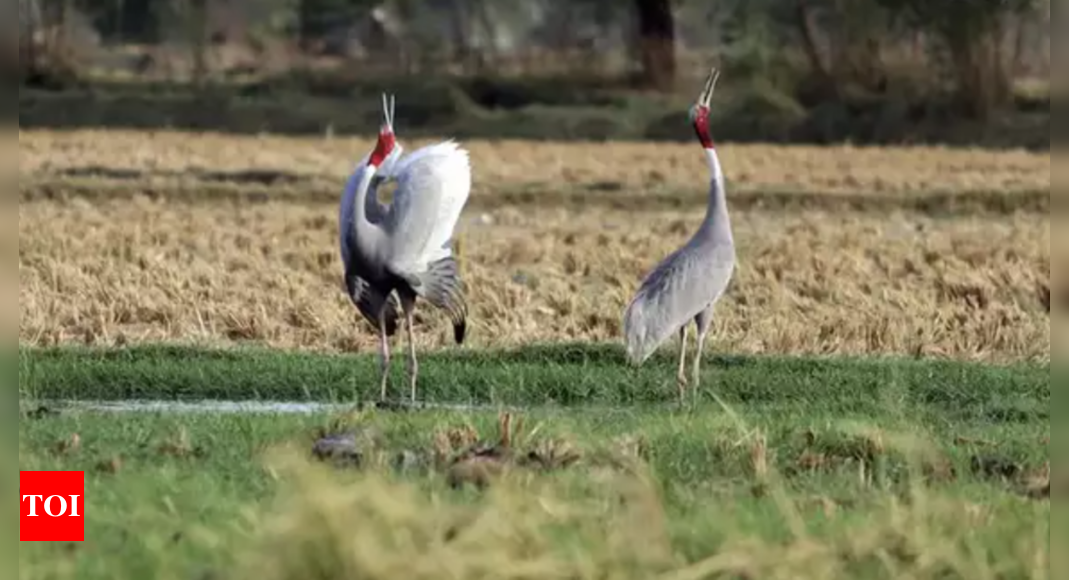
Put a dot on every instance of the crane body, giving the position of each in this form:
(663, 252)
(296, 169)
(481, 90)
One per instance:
(395, 254)
(687, 284)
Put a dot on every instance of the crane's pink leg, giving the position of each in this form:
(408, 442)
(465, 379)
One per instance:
(384, 354)
(681, 376)
(703, 321)
(408, 305)
(413, 364)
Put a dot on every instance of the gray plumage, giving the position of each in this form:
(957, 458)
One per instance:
(686, 285)
(395, 254)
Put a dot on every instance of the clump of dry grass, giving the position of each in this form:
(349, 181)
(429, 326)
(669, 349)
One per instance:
(379, 528)
(1037, 484)
(616, 524)
(459, 452)
(810, 282)
(468, 458)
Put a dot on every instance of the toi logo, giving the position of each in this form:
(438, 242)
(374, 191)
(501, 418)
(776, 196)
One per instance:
(52, 506)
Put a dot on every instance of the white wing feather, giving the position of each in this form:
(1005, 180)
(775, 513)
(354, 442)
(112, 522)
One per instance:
(433, 186)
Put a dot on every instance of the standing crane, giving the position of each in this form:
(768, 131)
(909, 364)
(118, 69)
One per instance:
(686, 285)
(396, 254)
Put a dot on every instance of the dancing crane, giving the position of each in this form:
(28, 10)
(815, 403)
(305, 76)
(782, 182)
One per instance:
(395, 254)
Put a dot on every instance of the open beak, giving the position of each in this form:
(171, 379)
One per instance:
(710, 85)
(388, 104)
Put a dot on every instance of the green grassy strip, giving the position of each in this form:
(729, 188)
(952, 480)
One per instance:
(564, 375)
(161, 514)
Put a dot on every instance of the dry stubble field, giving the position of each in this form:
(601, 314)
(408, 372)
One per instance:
(128, 237)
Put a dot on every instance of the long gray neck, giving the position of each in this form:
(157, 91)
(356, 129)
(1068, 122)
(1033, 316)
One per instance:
(717, 223)
(367, 233)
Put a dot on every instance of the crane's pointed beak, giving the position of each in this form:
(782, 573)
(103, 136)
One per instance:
(706, 96)
(388, 104)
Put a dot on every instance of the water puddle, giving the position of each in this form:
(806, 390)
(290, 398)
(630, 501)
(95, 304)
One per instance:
(244, 407)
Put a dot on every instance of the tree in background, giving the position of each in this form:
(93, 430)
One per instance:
(46, 59)
(29, 25)
(845, 43)
(810, 51)
(320, 19)
(973, 34)
(657, 43)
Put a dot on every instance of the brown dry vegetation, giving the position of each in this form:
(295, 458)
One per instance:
(630, 168)
(810, 281)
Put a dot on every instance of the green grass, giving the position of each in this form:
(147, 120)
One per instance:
(243, 499)
(563, 375)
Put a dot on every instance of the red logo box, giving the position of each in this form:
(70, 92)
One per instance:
(53, 506)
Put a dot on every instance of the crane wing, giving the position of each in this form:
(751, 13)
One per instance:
(433, 186)
(677, 290)
(368, 301)
(441, 286)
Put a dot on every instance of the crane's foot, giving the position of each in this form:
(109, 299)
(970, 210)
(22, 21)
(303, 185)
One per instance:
(681, 385)
(413, 374)
(382, 389)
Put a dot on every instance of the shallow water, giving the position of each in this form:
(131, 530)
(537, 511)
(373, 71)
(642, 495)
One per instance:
(246, 407)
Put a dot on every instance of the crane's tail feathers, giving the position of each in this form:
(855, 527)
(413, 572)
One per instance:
(638, 351)
(459, 330)
(443, 287)
(642, 335)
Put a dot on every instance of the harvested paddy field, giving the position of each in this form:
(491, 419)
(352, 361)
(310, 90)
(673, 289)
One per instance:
(629, 176)
(111, 272)
(127, 237)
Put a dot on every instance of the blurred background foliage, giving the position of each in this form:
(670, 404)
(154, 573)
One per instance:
(874, 71)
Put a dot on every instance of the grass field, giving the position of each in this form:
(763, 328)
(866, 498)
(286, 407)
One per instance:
(821, 469)
(880, 366)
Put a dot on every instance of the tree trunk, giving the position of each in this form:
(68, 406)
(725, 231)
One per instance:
(1018, 62)
(657, 39)
(29, 28)
(460, 22)
(822, 73)
(983, 85)
(197, 36)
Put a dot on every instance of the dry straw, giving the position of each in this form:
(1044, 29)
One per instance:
(120, 271)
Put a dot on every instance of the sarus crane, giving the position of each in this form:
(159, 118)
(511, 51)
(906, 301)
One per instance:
(396, 254)
(687, 284)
